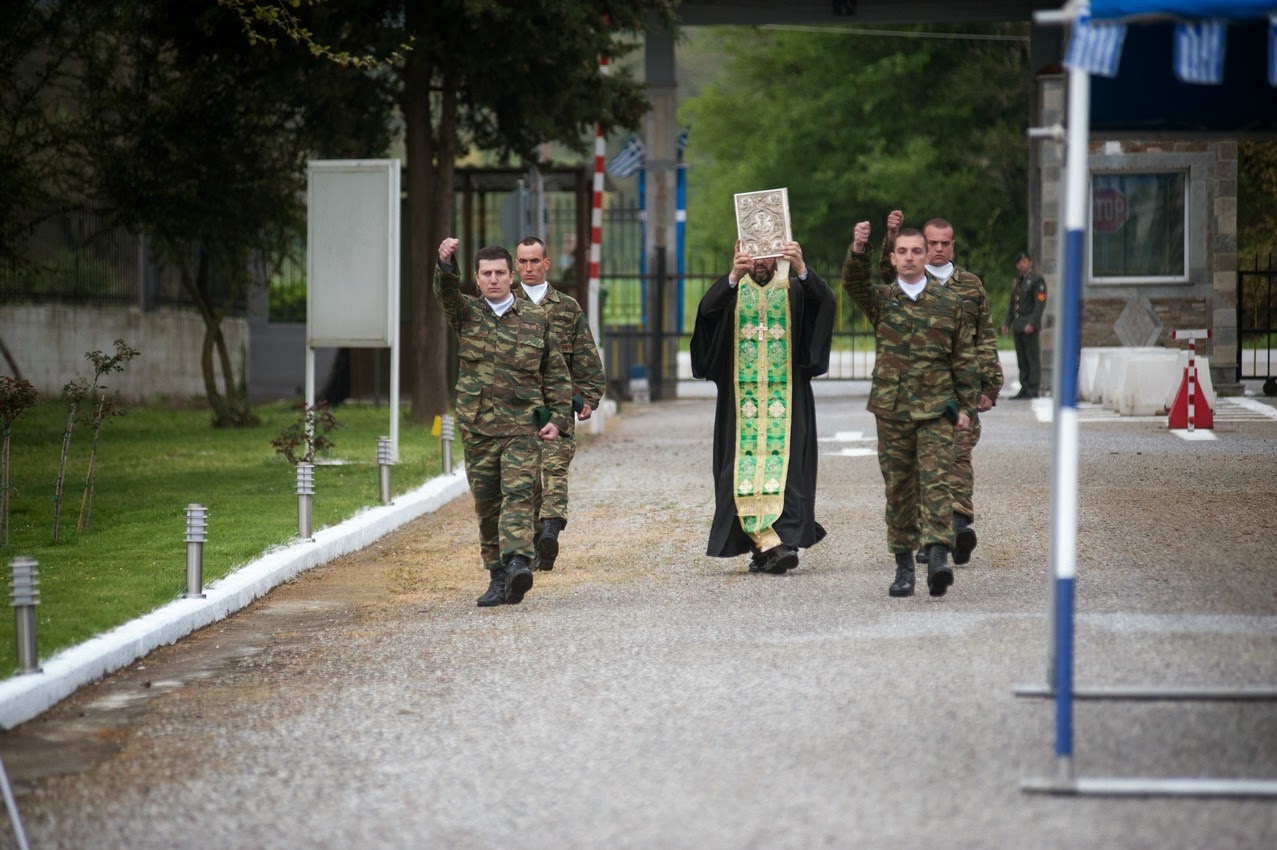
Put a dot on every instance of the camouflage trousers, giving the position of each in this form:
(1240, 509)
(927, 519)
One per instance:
(503, 473)
(962, 478)
(916, 459)
(551, 492)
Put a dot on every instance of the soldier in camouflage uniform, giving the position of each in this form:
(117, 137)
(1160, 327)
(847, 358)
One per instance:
(925, 385)
(1024, 318)
(940, 245)
(513, 392)
(588, 382)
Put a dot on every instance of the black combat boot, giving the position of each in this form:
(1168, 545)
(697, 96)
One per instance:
(518, 580)
(496, 590)
(921, 555)
(903, 585)
(548, 542)
(966, 539)
(939, 573)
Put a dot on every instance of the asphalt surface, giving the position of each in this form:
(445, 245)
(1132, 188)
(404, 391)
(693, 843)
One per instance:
(646, 696)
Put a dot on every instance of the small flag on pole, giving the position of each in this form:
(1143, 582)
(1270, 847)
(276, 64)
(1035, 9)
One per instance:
(1272, 50)
(681, 142)
(629, 160)
(1199, 52)
(1095, 48)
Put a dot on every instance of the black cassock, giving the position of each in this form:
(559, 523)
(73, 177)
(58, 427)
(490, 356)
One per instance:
(811, 311)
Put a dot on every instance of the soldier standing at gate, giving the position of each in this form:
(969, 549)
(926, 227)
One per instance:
(1024, 317)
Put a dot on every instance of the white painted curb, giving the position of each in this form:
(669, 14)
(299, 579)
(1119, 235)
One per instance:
(24, 696)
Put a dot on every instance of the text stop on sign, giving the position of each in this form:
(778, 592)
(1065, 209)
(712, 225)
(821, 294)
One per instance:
(1108, 209)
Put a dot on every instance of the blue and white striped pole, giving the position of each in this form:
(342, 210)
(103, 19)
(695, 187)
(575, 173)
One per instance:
(680, 229)
(642, 219)
(1068, 343)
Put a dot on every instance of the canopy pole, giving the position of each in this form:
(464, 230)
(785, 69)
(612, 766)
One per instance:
(1068, 341)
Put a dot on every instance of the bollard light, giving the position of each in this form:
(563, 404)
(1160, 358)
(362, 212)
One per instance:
(196, 533)
(305, 495)
(383, 463)
(24, 590)
(446, 430)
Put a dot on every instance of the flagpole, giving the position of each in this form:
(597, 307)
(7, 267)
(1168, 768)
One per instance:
(596, 232)
(680, 226)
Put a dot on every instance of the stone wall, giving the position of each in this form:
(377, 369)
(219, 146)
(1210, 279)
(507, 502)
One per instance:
(48, 344)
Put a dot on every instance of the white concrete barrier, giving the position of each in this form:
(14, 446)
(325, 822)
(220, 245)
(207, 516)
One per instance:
(1143, 388)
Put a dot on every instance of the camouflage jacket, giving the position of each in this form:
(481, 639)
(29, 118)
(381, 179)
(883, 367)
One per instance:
(508, 366)
(975, 303)
(1028, 302)
(925, 356)
(575, 341)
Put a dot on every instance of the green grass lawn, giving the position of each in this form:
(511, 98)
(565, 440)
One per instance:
(152, 462)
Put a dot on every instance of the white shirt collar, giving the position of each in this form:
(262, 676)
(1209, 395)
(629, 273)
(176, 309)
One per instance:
(499, 307)
(913, 290)
(536, 293)
(941, 273)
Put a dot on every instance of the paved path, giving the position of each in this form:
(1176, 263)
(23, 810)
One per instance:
(645, 696)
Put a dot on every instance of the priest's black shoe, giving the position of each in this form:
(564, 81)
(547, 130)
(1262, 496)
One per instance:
(548, 543)
(780, 560)
(496, 590)
(518, 579)
(903, 585)
(757, 560)
(966, 539)
(939, 573)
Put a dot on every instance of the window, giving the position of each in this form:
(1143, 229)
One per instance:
(1138, 226)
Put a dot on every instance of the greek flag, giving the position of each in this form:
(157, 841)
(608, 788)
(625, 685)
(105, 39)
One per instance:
(629, 160)
(1199, 52)
(1095, 48)
(1272, 50)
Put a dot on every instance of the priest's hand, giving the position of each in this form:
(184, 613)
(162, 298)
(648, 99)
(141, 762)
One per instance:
(793, 252)
(895, 218)
(741, 264)
(549, 432)
(860, 241)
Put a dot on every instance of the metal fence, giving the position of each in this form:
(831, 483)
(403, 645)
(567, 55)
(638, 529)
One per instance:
(82, 257)
(1257, 321)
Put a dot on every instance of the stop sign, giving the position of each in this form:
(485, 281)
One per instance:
(1108, 209)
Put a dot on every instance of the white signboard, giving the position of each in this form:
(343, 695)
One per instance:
(352, 256)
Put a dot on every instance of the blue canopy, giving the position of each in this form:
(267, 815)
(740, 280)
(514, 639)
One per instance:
(1236, 10)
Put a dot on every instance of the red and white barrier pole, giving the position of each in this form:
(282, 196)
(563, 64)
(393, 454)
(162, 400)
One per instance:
(1191, 387)
(596, 243)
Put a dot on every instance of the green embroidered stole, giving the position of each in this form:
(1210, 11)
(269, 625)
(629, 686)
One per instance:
(763, 340)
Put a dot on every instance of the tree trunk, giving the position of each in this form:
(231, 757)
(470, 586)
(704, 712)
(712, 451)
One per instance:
(231, 408)
(430, 171)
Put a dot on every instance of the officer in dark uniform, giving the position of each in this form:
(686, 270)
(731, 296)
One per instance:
(1024, 317)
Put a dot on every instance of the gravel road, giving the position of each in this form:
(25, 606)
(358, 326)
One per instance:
(646, 696)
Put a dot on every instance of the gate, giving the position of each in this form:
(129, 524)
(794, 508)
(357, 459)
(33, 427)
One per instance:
(1257, 325)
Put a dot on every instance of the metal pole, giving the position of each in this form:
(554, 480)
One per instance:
(24, 591)
(446, 432)
(1064, 485)
(196, 532)
(383, 463)
(305, 495)
(12, 805)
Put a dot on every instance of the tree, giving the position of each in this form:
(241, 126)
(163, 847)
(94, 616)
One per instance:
(1256, 204)
(856, 126)
(466, 84)
(200, 140)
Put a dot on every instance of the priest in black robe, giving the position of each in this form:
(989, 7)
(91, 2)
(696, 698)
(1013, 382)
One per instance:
(762, 350)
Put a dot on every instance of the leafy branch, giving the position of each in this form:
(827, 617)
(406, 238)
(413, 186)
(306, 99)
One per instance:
(309, 434)
(16, 395)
